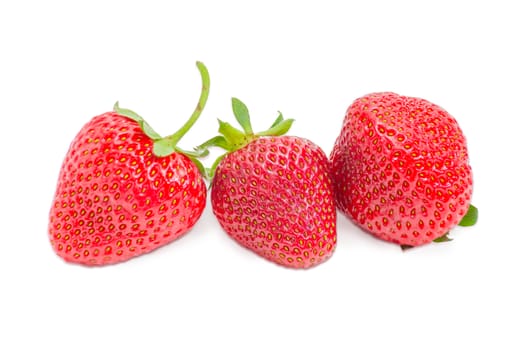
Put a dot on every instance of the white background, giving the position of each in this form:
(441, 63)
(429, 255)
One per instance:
(62, 63)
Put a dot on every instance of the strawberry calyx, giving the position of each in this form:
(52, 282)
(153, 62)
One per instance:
(232, 138)
(470, 219)
(165, 146)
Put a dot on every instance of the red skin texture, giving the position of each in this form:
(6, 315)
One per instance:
(116, 200)
(275, 197)
(401, 170)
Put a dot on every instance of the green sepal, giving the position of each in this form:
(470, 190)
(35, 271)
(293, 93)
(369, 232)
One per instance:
(471, 217)
(198, 153)
(444, 238)
(240, 111)
(163, 147)
(278, 120)
(233, 136)
(217, 141)
(232, 139)
(278, 129)
(211, 171)
(146, 128)
(202, 169)
(231, 133)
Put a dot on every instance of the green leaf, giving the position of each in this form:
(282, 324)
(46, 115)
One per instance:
(471, 217)
(444, 238)
(148, 130)
(277, 130)
(406, 247)
(242, 115)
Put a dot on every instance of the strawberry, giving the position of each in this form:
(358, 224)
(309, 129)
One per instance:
(401, 169)
(273, 193)
(123, 190)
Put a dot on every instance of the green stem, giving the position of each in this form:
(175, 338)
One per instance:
(177, 136)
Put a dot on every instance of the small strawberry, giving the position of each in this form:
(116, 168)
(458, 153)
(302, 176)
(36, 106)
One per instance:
(401, 169)
(123, 190)
(273, 194)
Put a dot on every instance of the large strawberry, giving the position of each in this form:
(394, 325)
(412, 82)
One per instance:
(123, 190)
(273, 193)
(401, 169)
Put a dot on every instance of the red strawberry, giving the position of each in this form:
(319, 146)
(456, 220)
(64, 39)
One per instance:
(123, 190)
(401, 169)
(273, 194)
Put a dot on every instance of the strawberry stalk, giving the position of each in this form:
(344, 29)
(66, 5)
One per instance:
(232, 139)
(165, 146)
